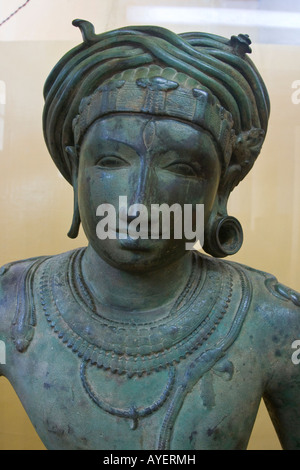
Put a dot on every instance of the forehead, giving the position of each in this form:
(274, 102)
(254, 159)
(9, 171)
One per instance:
(148, 132)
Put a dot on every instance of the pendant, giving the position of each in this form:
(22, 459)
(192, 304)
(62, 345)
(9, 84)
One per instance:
(133, 412)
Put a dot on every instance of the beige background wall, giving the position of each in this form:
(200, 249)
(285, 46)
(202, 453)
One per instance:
(36, 203)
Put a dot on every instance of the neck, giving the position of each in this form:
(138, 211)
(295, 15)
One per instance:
(135, 291)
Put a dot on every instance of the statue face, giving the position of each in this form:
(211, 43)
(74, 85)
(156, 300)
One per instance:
(148, 160)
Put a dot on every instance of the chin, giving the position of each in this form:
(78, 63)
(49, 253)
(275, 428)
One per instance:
(139, 255)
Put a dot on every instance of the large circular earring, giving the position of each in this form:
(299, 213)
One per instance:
(224, 237)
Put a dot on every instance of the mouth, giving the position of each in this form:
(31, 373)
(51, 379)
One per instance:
(140, 242)
(138, 245)
(153, 232)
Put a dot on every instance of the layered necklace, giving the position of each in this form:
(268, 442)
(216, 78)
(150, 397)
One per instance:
(123, 345)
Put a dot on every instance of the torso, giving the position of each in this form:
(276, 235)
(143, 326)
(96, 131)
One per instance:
(192, 379)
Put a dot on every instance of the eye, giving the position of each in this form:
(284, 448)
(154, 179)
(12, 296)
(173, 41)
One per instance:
(112, 162)
(181, 168)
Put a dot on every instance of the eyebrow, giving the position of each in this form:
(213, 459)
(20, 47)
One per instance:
(113, 139)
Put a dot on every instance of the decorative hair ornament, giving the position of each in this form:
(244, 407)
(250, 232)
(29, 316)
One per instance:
(241, 44)
(217, 65)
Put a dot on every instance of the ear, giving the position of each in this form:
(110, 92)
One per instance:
(223, 233)
(73, 159)
(246, 148)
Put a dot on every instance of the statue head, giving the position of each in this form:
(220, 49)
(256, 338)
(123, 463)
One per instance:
(157, 95)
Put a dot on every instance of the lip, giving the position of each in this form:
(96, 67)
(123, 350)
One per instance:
(135, 245)
(143, 235)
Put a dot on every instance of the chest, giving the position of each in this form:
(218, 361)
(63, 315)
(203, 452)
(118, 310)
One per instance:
(76, 405)
(184, 381)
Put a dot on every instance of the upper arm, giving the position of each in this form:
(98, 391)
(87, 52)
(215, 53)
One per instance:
(282, 392)
(11, 289)
(283, 404)
(5, 317)
(17, 321)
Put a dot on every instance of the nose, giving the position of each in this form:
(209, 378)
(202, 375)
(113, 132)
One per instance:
(143, 186)
(140, 195)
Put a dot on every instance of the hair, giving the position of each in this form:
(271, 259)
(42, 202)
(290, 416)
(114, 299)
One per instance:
(220, 65)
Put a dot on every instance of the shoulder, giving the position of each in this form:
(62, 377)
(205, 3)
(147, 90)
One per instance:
(273, 320)
(11, 276)
(17, 287)
(268, 292)
(19, 282)
(13, 282)
(265, 288)
(273, 308)
(273, 303)
(12, 294)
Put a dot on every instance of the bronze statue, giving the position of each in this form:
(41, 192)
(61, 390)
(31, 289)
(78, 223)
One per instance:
(137, 342)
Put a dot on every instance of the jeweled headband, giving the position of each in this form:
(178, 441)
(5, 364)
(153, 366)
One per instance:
(196, 77)
(155, 95)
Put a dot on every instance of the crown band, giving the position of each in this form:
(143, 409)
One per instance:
(161, 97)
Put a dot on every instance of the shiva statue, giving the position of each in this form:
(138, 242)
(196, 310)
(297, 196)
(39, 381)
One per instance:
(137, 343)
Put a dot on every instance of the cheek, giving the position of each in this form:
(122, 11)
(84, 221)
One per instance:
(86, 195)
(196, 193)
(96, 186)
(189, 191)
